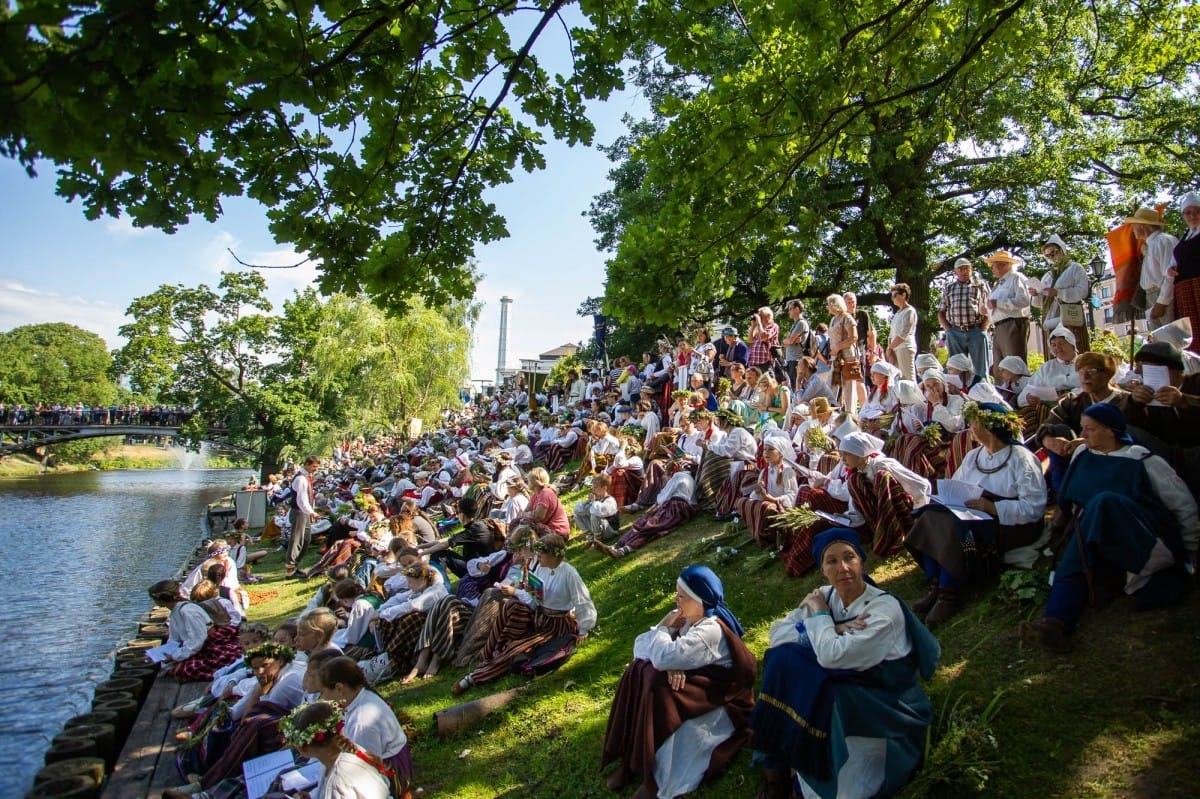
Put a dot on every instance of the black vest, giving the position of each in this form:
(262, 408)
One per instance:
(1187, 258)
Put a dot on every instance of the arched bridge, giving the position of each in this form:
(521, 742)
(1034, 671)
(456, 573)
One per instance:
(16, 438)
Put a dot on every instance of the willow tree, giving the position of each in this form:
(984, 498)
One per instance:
(855, 145)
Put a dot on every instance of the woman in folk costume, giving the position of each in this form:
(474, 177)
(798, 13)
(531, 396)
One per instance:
(778, 485)
(398, 625)
(883, 493)
(723, 460)
(350, 772)
(829, 493)
(959, 365)
(841, 712)
(677, 451)
(939, 445)
(203, 629)
(1186, 270)
(681, 710)
(953, 551)
(1012, 375)
(879, 411)
(675, 505)
(1132, 527)
(1063, 290)
(559, 604)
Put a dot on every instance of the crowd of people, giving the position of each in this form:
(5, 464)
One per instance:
(830, 444)
(57, 413)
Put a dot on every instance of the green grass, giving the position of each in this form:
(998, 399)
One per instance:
(1120, 717)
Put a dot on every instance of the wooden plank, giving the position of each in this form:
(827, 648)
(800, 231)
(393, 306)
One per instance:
(139, 765)
(166, 775)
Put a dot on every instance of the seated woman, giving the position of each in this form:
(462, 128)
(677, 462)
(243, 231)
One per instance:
(279, 690)
(883, 494)
(556, 452)
(841, 708)
(774, 398)
(398, 624)
(724, 457)
(675, 505)
(375, 534)
(953, 551)
(674, 451)
(369, 721)
(202, 630)
(778, 485)
(241, 554)
(355, 609)
(1135, 527)
(828, 493)
(559, 604)
(681, 710)
(1012, 375)
(516, 501)
(879, 411)
(315, 630)
(316, 731)
(941, 443)
(545, 512)
(959, 365)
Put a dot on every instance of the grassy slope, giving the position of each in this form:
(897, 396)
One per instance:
(1118, 718)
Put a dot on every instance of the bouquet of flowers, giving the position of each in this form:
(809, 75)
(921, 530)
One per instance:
(815, 437)
(932, 433)
(795, 518)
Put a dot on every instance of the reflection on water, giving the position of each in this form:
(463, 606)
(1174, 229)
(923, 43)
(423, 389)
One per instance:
(77, 552)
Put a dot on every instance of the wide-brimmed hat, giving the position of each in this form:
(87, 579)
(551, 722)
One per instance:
(1161, 353)
(818, 405)
(1145, 216)
(1178, 333)
(1004, 257)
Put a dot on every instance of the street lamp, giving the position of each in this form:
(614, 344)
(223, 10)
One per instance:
(1098, 266)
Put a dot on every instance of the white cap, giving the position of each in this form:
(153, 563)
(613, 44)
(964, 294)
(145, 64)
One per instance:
(1015, 364)
(908, 393)
(1178, 333)
(1062, 332)
(927, 360)
(960, 362)
(860, 444)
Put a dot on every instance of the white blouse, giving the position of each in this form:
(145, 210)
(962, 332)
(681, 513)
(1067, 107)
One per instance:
(563, 589)
(1019, 475)
(371, 724)
(885, 636)
(696, 645)
(738, 444)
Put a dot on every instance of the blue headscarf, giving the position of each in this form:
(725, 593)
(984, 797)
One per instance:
(703, 584)
(833, 535)
(1111, 417)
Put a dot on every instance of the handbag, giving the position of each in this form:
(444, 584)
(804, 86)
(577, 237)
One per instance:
(1071, 314)
(852, 370)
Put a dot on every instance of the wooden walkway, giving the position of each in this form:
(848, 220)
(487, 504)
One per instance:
(147, 763)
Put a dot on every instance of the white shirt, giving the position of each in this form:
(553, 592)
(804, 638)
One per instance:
(904, 326)
(563, 589)
(1020, 476)
(884, 638)
(738, 444)
(1011, 296)
(370, 723)
(1072, 287)
(1059, 375)
(188, 624)
(351, 777)
(1158, 255)
(409, 602)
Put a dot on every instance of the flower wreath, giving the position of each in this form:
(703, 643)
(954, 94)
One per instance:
(317, 733)
(271, 651)
(992, 420)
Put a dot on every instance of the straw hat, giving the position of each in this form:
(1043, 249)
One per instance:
(1145, 216)
(1004, 257)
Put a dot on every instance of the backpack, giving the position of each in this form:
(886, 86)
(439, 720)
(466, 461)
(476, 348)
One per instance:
(545, 658)
(808, 347)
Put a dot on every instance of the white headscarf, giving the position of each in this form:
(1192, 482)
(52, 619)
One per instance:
(1190, 200)
(861, 444)
(1057, 240)
(1063, 332)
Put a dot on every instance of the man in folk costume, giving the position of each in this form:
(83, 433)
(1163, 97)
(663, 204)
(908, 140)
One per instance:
(1064, 288)
(1009, 304)
(1157, 248)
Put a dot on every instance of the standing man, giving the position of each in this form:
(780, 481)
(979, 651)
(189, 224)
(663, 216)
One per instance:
(303, 502)
(1009, 306)
(1158, 253)
(793, 343)
(963, 314)
(736, 351)
(764, 338)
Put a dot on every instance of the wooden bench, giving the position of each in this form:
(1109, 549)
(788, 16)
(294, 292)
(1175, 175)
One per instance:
(147, 763)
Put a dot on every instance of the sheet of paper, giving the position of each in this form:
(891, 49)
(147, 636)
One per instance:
(157, 654)
(833, 518)
(260, 772)
(1042, 392)
(303, 778)
(1155, 376)
(964, 513)
(957, 492)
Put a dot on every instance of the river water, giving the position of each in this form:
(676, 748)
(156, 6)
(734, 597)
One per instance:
(77, 552)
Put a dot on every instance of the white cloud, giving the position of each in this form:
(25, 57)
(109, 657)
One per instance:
(23, 305)
(123, 227)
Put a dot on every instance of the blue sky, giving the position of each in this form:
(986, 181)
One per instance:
(59, 267)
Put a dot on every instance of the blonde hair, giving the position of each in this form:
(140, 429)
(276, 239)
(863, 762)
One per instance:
(319, 620)
(539, 477)
(836, 301)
